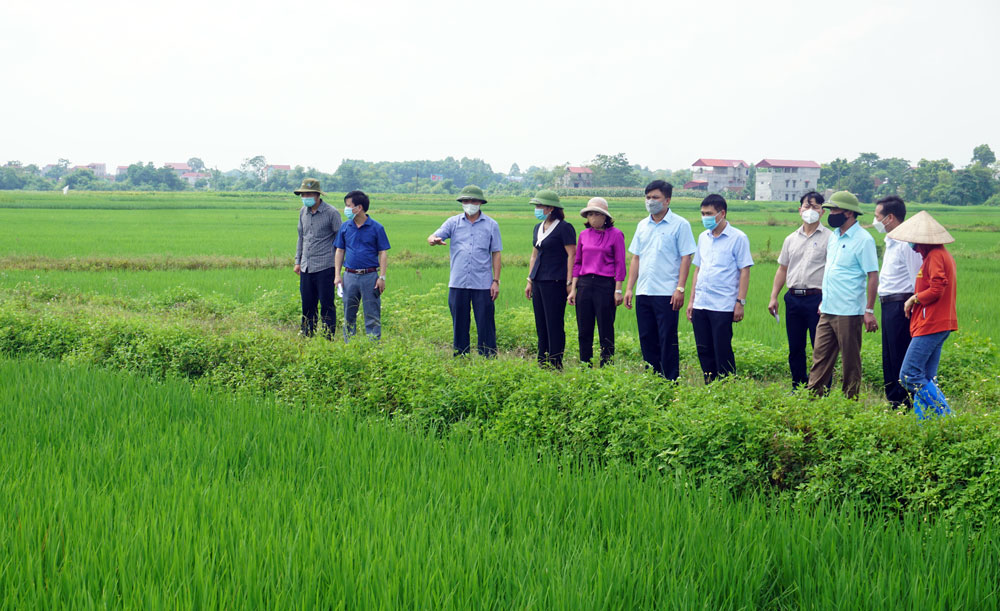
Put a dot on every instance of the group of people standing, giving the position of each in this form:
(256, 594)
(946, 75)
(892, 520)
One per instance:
(832, 276)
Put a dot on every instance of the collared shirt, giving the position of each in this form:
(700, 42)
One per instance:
(660, 247)
(900, 265)
(552, 260)
(850, 257)
(314, 251)
(600, 252)
(719, 260)
(472, 247)
(361, 245)
(805, 257)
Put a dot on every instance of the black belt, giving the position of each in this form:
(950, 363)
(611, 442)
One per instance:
(805, 292)
(894, 297)
(366, 270)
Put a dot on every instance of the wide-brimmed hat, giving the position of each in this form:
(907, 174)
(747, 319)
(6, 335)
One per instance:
(309, 185)
(471, 192)
(546, 197)
(921, 228)
(844, 200)
(597, 204)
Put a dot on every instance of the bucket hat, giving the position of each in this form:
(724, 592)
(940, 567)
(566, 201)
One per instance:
(597, 204)
(921, 228)
(845, 200)
(546, 197)
(309, 185)
(471, 192)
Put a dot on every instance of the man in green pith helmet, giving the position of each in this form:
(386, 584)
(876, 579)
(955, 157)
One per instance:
(475, 271)
(319, 223)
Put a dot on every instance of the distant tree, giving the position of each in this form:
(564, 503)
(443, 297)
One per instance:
(515, 170)
(920, 182)
(196, 164)
(80, 180)
(255, 166)
(13, 164)
(983, 155)
(613, 171)
(969, 187)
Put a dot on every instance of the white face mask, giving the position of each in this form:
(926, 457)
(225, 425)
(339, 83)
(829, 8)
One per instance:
(879, 226)
(809, 216)
(471, 209)
(654, 206)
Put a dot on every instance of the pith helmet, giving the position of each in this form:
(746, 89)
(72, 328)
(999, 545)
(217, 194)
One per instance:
(546, 197)
(309, 185)
(921, 228)
(844, 200)
(471, 192)
(597, 204)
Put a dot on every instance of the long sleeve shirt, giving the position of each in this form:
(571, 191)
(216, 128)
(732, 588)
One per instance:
(600, 252)
(936, 292)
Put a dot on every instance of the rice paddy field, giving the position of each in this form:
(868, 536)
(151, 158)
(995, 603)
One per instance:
(169, 441)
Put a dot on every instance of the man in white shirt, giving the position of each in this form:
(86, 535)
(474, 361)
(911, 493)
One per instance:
(900, 265)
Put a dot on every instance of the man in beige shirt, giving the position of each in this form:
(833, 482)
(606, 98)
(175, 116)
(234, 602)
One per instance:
(800, 266)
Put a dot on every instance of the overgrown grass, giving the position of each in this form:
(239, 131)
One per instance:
(122, 493)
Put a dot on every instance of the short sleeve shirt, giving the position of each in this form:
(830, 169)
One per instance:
(660, 247)
(805, 257)
(552, 260)
(719, 260)
(850, 257)
(361, 245)
(472, 246)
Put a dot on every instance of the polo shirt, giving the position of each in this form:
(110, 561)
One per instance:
(472, 246)
(900, 265)
(660, 247)
(361, 245)
(317, 230)
(850, 257)
(719, 260)
(552, 261)
(805, 257)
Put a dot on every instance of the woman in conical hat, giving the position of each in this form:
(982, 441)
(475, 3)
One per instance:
(931, 311)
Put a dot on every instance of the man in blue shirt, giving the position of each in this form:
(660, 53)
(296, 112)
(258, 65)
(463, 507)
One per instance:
(851, 271)
(661, 258)
(362, 250)
(719, 292)
(475, 271)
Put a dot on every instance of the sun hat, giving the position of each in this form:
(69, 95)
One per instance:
(546, 197)
(471, 192)
(309, 185)
(845, 200)
(597, 204)
(921, 228)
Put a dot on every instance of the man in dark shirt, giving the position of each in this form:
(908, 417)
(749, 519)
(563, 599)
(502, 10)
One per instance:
(362, 250)
(318, 225)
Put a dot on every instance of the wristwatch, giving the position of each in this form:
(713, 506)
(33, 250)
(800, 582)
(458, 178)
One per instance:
(618, 291)
(381, 277)
(680, 288)
(742, 302)
(869, 311)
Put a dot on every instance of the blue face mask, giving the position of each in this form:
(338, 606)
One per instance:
(709, 222)
(540, 214)
(349, 212)
(308, 202)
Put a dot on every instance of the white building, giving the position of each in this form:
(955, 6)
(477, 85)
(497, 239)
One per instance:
(718, 175)
(785, 180)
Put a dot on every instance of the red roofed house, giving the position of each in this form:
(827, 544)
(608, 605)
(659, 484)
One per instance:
(576, 177)
(785, 180)
(178, 168)
(271, 168)
(718, 175)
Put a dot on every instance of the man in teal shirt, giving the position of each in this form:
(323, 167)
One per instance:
(850, 287)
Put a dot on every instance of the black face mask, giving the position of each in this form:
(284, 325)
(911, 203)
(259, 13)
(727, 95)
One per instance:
(836, 220)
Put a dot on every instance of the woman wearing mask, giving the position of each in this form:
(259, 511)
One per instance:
(598, 273)
(550, 276)
(931, 311)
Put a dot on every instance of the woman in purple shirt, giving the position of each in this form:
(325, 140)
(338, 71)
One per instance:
(598, 273)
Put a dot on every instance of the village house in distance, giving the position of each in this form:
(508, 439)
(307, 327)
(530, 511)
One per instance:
(577, 177)
(718, 175)
(785, 180)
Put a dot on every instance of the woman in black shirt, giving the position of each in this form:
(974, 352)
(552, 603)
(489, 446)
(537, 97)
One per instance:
(550, 276)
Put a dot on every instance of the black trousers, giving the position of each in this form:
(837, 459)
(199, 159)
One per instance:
(801, 318)
(318, 286)
(713, 338)
(548, 299)
(595, 302)
(459, 302)
(657, 322)
(895, 341)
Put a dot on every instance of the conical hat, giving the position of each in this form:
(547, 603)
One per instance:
(921, 228)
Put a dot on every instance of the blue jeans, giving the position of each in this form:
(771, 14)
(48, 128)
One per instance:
(360, 289)
(919, 371)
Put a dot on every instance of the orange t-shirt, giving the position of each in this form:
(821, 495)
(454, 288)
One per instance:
(935, 289)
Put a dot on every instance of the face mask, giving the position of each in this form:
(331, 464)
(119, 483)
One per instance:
(540, 214)
(879, 227)
(913, 246)
(709, 222)
(836, 220)
(471, 209)
(809, 216)
(349, 212)
(308, 202)
(654, 206)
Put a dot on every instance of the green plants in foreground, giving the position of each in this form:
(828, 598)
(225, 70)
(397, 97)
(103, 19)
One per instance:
(121, 491)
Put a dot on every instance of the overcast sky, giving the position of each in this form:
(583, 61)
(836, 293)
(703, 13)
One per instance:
(526, 81)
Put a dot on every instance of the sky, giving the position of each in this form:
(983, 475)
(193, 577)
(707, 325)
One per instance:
(528, 81)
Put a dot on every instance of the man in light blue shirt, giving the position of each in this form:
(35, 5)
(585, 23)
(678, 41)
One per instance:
(661, 258)
(851, 272)
(721, 281)
(475, 271)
